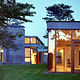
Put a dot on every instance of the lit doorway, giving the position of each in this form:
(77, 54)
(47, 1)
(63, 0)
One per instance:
(1, 54)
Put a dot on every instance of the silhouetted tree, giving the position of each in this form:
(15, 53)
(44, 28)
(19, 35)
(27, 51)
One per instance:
(9, 9)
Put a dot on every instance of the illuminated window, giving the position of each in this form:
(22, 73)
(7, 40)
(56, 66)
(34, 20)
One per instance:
(76, 34)
(27, 40)
(33, 40)
(27, 52)
(27, 59)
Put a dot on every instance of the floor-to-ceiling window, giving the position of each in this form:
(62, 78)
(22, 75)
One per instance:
(76, 43)
(63, 50)
(59, 51)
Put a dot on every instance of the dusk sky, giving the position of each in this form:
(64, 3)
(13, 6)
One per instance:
(38, 26)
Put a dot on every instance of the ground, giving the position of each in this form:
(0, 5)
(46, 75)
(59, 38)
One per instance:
(32, 72)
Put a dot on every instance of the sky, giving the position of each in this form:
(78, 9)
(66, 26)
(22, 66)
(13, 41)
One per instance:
(38, 27)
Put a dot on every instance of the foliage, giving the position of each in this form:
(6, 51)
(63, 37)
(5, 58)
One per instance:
(9, 10)
(58, 12)
(61, 12)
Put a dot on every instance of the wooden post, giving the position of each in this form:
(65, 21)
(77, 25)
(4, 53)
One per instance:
(50, 61)
(38, 57)
(55, 50)
(72, 52)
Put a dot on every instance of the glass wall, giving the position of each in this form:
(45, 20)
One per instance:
(59, 51)
(76, 43)
(63, 51)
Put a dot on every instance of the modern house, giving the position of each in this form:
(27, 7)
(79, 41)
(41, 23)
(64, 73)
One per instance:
(34, 50)
(63, 46)
(31, 49)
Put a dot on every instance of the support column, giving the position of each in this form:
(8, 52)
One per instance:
(72, 53)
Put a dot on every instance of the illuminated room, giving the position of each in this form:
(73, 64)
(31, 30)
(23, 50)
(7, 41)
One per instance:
(63, 46)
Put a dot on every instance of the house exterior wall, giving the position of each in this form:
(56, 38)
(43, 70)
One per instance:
(16, 56)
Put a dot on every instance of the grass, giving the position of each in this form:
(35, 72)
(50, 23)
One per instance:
(32, 72)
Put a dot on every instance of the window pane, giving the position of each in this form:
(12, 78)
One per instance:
(27, 59)
(27, 52)
(33, 40)
(63, 51)
(27, 40)
(76, 34)
(33, 56)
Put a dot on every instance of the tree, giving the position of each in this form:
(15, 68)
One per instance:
(61, 12)
(58, 12)
(9, 9)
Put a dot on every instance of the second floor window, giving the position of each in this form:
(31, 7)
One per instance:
(33, 40)
(27, 40)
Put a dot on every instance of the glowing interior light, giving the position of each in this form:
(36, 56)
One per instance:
(61, 51)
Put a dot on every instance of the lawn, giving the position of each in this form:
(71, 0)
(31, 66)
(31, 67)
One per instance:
(32, 72)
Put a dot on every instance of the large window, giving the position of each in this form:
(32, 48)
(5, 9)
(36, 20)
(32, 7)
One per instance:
(63, 50)
(76, 34)
(27, 54)
(59, 50)
(33, 56)
(33, 40)
(27, 40)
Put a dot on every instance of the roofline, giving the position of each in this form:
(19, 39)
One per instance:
(31, 36)
(37, 38)
(62, 21)
(63, 25)
(16, 26)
